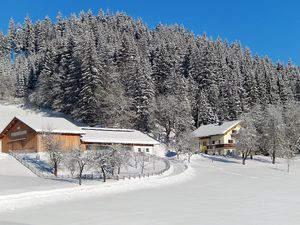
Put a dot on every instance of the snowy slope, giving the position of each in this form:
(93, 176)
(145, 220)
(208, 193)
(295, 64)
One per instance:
(220, 192)
(15, 178)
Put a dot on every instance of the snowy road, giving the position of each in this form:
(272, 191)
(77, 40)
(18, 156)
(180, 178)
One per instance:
(223, 192)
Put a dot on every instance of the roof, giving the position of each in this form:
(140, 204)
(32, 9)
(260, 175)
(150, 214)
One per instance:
(116, 136)
(52, 124)
(214, 129)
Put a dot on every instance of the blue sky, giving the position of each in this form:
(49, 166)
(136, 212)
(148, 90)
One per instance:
(267, 27)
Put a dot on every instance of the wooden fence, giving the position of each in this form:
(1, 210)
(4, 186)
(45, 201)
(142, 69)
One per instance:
(20, 158)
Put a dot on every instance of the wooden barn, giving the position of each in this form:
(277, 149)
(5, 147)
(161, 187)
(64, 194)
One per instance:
(26, 133)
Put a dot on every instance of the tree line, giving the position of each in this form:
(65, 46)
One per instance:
(111, 70)
(271, 130)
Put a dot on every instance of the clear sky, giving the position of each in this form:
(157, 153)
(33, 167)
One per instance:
(267, 27)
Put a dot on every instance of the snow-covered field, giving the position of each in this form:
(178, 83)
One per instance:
(220, 192)
(15, 178)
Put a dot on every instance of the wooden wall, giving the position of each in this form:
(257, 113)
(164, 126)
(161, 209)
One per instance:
(33, 141)
(67, 141)
(28, 141)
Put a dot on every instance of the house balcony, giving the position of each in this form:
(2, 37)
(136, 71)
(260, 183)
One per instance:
(223, 146)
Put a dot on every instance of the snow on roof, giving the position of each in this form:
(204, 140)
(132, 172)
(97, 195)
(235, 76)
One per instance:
(214, 129)
(9, 111)
(53, 124)
(116, 136)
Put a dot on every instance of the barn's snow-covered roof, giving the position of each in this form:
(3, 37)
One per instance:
(50, 124)
(116, 136)
(214, 129)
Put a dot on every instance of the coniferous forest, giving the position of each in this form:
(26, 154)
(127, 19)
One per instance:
(112, 70)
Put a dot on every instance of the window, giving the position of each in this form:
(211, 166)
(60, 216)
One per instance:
(204, 143)
(89, 147)
(230, 141)
(139, 150)
(213, 142)
(18, 134)
(234, 131)
(147, 149)
(219, 141)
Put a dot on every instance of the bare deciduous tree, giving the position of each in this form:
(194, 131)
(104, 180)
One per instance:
(102, 160)
(246, 139)
(120, 157)
(53, 148)
(186, 145)
(83, 159)
(142, 160)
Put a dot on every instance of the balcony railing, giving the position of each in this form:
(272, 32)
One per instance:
(229, 145)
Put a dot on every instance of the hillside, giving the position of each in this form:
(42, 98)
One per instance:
(15, 178)
(110, 69)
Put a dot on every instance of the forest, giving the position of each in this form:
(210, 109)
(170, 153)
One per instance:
(112, 70)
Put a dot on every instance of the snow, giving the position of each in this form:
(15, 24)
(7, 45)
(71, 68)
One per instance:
(214, 129)
(53, 124)
(116, 136)
(37, 120)
(43, 166)
(15, 178)
(26, 199)
(215, 192)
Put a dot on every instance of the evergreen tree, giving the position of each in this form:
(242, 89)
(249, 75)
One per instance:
(86, 109)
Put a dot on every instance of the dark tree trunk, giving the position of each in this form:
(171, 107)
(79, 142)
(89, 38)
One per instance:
(273, 157)
(119, 169)
(80, 175)
(244, 160)
(104, 173)
(55, 169)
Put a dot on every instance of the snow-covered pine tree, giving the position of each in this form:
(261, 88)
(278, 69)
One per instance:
(205, 114)
(141, 89)
(47, 78)
(87, 107)
(28, 37)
